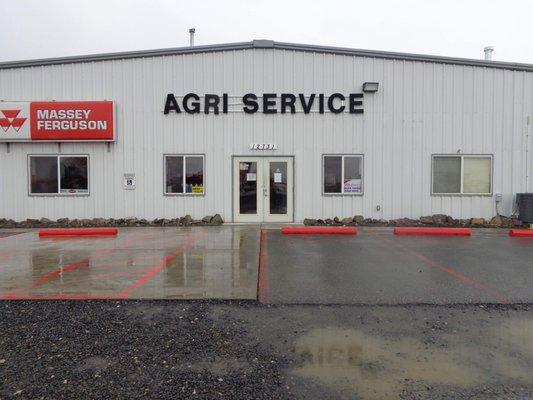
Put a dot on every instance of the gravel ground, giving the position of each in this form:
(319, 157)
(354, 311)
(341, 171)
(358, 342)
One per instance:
(244, 350)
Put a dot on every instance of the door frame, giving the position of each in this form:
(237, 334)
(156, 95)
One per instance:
(262, 156)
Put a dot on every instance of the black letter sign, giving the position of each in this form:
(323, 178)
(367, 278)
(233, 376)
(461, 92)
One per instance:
(332, 99)
(211, 100)
(195, 105)
(355, 104)
(171, 104)
(307, 106)
(288, 100)
(268, 102)
(250, 101)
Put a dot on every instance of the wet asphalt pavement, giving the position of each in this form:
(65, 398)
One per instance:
(377, 267)
(244, 350)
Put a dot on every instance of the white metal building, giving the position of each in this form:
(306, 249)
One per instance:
(440, 135)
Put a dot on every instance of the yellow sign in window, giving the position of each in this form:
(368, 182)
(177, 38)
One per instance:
(198, 189)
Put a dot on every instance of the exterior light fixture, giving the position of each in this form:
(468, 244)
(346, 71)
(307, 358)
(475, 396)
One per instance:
(370, 87)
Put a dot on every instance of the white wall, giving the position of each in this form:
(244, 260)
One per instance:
(421, 109)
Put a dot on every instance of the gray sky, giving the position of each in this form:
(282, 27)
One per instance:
(460, 28)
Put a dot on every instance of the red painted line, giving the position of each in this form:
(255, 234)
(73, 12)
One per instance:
(521, 232)
(79, 232)
(319, 230)
(433, 231)
(263, 288)
(450, 271)
(126, 293)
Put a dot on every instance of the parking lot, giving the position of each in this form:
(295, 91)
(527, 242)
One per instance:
(371, 316)
(232, 262)
(377, 267)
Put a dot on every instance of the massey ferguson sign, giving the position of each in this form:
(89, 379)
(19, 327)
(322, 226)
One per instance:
(57, 121)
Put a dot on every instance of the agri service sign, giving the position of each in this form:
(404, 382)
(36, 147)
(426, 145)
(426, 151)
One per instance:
(57, 121)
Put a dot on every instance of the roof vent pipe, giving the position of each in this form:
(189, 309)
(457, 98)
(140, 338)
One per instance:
(191, 33)
(488, 53)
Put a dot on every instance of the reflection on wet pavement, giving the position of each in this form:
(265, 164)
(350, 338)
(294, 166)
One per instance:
(166, 263)
(375, 367)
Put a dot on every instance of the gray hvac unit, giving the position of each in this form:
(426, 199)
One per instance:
(524, 201)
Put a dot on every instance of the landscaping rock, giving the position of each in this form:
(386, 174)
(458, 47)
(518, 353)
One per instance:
(404, 222)
(207, 219)
(450, 220)
(45, 222)
(440, 219)
(427, 220)
(310, 221)
(346, 221)
(216, 220)
(496, 221)
(358, 219)
(477, 221)
(99, 222)
(7, 223)
(186, 221)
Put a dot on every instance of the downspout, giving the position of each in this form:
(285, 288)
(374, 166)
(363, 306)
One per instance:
(528, 124)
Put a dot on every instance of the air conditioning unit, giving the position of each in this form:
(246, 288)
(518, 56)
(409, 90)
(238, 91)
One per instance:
(524, 202)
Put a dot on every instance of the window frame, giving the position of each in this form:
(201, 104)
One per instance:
(58, 157)
(184, 155)
(343, 155)
(462, 157)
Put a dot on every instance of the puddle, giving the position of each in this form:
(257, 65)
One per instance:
(382, 368)
(518, 333)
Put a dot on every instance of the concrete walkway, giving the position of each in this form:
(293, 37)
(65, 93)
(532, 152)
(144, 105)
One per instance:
(140, 263)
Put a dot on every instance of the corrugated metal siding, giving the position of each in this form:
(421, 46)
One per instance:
(422, 108)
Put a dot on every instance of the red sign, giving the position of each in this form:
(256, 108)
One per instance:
(57, 121)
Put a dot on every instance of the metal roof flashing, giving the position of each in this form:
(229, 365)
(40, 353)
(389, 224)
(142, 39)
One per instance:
(267, 44)
(263, 43)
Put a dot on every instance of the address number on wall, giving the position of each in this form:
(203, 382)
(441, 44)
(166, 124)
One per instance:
(263, 146)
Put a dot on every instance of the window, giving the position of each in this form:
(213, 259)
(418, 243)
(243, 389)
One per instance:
(65, 175)
(184, 174)
(343, 174)
(469, 175)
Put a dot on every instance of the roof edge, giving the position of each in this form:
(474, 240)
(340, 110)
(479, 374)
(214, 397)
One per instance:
(267, 44)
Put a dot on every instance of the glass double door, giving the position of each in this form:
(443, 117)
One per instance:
(263, 189)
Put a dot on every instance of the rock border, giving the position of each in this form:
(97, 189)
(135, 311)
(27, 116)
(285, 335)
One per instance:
(209, 220)
(437, 220)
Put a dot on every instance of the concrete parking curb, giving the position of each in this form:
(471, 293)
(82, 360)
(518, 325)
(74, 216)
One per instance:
(521, 232)
(79, 232)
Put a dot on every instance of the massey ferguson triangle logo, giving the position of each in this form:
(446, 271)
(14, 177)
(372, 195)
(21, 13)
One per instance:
(8, 119)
